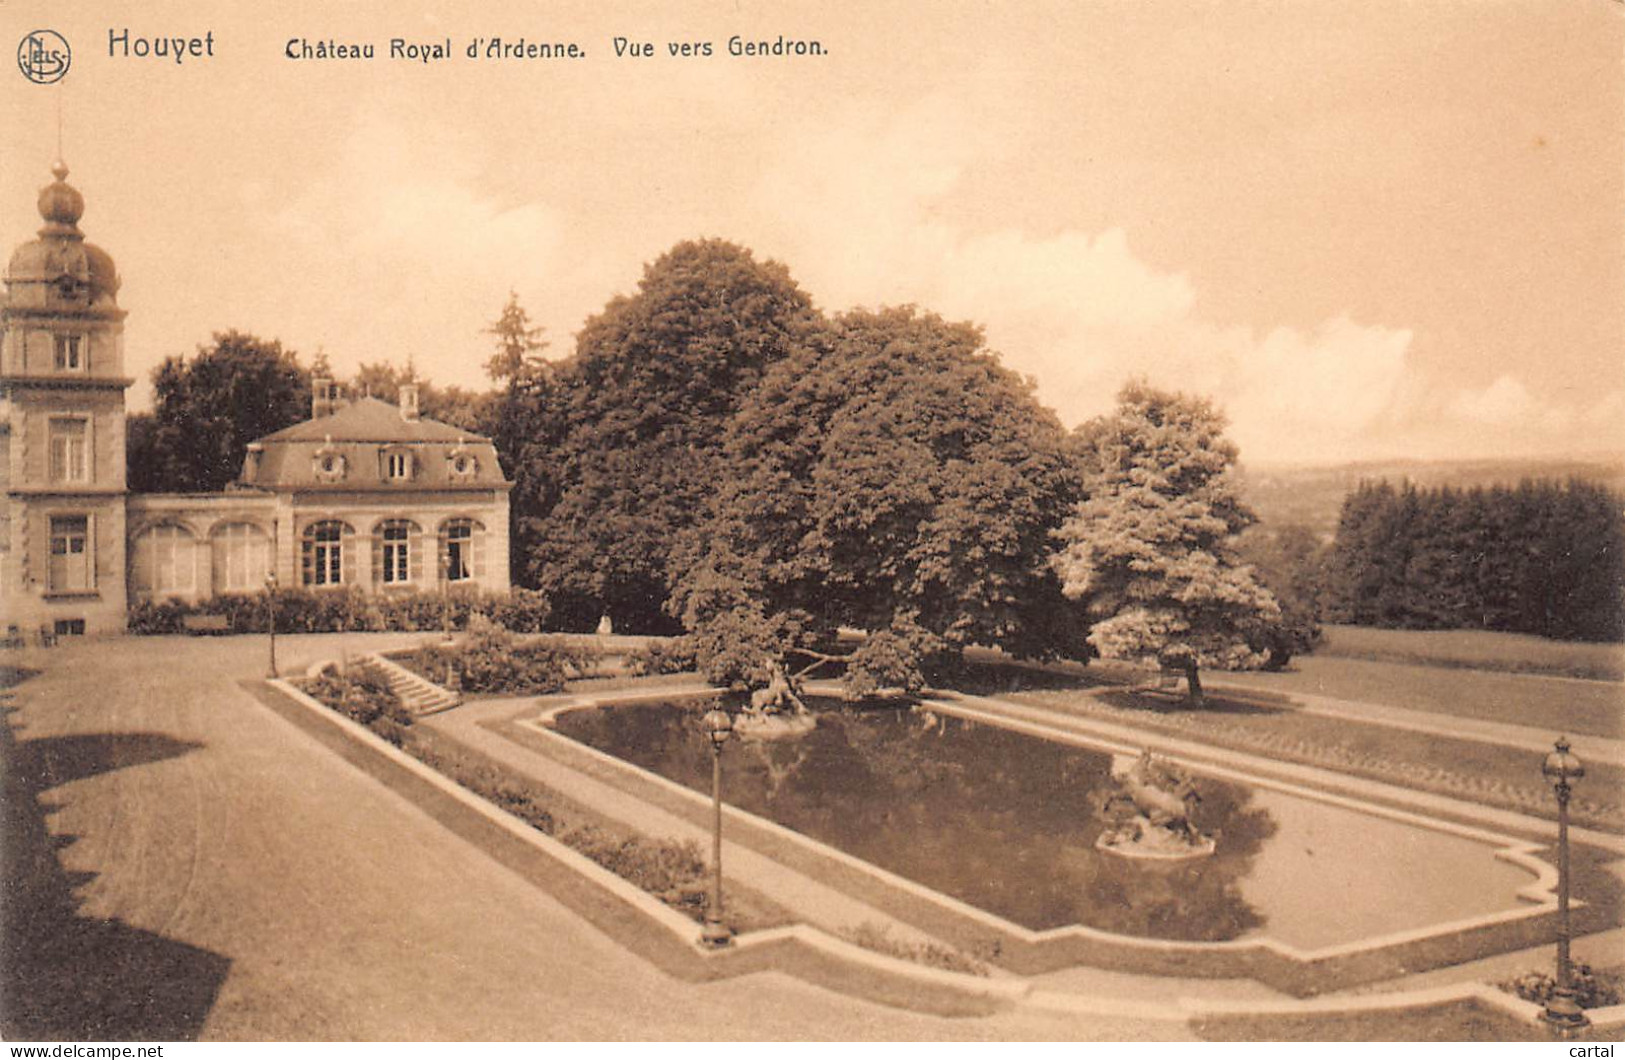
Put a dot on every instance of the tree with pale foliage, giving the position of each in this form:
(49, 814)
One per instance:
(1152, 551)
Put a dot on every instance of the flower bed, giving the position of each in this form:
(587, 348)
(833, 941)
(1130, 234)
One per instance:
(1593, 988)
(491, 659)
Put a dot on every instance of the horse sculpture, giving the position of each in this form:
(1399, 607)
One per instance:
(1150, 815)
(775, 711)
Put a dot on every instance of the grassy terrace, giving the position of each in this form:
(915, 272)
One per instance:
(1475, 649)
(1596, 708)
(1484, 773)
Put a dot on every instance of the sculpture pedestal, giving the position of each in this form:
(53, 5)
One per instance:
(1143, 841)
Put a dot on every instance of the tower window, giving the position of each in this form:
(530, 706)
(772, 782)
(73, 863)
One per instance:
(70, 553)
(70, 353)
(70, 458)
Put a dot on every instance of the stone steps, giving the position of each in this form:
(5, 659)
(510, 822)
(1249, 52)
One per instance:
(417, 694)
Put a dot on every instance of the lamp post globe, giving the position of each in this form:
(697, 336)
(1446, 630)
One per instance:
(1561, 769)
(718, 728)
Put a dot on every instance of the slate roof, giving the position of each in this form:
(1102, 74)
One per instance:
(371, 420)
(361, 433)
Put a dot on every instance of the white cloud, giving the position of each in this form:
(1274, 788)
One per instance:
(862, 215)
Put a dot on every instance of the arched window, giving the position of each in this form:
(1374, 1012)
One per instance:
(165, 561)
(461, 541)
(242, 558)
(397, 557)
(322, 555)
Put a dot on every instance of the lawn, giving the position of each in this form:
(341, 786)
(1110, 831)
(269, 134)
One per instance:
(1478, 650)
(1595, 708)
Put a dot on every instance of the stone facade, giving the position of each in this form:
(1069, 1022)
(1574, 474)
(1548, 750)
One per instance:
(62, 428)
(362, 495)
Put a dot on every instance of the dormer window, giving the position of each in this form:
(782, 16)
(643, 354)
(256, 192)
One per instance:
(398, 466)
(463, 466)
(70, 353)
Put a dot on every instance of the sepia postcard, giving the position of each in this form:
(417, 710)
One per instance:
(812, 521)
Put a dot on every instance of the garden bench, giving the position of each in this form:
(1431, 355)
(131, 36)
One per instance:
(201, 624)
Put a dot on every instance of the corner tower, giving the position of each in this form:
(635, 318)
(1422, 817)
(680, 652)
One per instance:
(62, 383)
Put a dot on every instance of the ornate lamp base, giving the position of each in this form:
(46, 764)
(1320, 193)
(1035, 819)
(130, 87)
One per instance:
(716, 934)
(1564, 1013)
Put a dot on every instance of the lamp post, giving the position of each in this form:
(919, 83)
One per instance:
(1561, 769)
(718, 727)
(270, 616)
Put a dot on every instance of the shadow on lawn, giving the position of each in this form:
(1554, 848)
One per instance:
(1126, 699)
(64, 975)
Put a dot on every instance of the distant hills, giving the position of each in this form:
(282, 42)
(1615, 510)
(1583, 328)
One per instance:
(1313, 496)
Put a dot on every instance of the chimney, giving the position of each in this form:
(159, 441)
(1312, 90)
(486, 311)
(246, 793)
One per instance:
(324, 398)
(409, 402)
(251, 465)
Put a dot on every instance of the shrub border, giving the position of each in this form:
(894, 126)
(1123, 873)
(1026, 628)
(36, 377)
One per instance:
(650, 927)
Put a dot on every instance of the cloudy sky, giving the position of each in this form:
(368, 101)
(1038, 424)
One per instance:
(1367, 230)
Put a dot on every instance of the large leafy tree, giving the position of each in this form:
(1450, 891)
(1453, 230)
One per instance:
(616, 450)
(209, 407)
(1152, 550)
(890, 476)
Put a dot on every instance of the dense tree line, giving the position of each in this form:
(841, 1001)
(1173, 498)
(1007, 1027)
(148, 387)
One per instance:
(1544, 558)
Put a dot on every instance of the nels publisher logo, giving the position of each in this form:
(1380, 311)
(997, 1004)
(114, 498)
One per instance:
(44, 56)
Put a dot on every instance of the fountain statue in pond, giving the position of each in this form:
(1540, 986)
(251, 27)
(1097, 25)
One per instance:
(1150, 814)
(775, 712)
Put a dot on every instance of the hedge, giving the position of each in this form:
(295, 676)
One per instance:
(348, 610)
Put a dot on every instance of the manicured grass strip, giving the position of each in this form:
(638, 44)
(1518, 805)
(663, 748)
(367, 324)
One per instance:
(1476, 649)
(1595, 708)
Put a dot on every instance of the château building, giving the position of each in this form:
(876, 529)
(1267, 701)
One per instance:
(363, 494)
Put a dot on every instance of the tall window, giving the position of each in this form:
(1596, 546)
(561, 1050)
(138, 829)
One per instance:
(398, 466)
(70, 353)
(242, 558)
(70, 554)
(396, 546)
(69, 446)
(459, 543)
(324, 553)
(165, 561)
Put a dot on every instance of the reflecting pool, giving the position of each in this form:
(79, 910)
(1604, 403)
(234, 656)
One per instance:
(1003, 821)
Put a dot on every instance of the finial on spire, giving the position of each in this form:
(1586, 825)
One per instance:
(59, 169)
